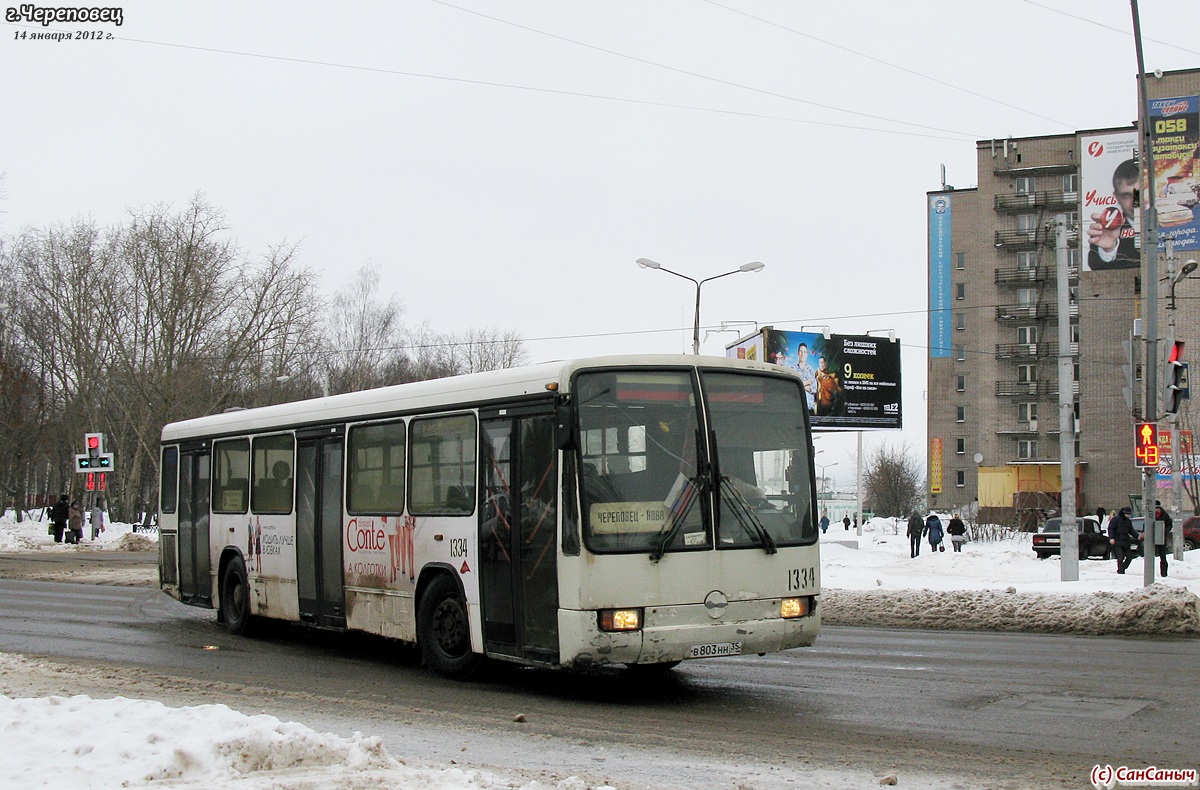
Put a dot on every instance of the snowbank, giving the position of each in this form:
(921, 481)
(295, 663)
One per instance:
(80, 742)
(1151, 611)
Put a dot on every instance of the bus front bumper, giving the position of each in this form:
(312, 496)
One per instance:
(683, 632)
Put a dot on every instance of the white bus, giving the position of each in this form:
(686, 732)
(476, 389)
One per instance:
(617, 510)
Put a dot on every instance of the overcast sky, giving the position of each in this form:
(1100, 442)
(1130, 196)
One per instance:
(505, 162)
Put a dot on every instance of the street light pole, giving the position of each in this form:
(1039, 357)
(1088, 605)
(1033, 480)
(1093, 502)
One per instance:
(646, 263)
(824, 482)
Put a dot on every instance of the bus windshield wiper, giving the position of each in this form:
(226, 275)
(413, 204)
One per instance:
(744, 513)
(686, 491)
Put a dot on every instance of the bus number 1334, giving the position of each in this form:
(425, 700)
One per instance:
(802, 578)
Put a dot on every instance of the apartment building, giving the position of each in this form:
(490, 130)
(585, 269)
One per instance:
(993, 403)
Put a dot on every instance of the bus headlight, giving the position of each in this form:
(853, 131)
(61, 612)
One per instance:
(791, 608)
(620, 619)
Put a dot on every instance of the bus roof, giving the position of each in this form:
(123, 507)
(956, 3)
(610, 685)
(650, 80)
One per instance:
(433, 395)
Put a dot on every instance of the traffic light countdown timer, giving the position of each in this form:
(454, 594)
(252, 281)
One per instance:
(1145, 446)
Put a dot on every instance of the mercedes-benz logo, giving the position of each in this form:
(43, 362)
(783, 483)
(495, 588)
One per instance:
(715, 604)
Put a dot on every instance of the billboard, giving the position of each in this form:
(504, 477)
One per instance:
(1109, 174)
(940, 240)
(1175, 140)
(851, 382)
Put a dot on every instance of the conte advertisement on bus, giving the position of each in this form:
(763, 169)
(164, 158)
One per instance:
(851, 382)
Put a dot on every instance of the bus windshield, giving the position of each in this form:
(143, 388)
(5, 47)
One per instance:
(652, 483)
(758, 432)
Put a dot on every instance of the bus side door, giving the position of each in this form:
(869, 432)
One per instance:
(195, 554)
(518, 528)
(319, 578)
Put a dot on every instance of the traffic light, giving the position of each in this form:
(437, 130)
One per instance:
(94, 444)
(1175, 378)
(1145, 446)
(94, 459)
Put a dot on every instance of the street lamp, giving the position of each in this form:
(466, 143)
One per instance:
(824, 480)
(1187, 269)
(646, 263)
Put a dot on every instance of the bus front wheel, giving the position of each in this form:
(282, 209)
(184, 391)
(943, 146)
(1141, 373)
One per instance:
(235, 598)
(444, 630)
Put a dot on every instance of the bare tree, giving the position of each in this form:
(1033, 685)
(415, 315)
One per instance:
(365, 336)
(894, 478)
(61, 270)
(124, 329)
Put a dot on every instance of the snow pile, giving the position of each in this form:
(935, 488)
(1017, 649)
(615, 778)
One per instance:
(996, 585)
(81, 742)
(32, 534)
(132, 541)
(11, 541)
(1149, 611)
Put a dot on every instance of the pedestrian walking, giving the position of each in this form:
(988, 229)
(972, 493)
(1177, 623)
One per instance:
(97, 518)
(916, 529)
(1121, 537)
(74, 523)
(846, 522)
(824, 523)
(60, 511)
(934, 530)
(957, 531)
(1160, 549)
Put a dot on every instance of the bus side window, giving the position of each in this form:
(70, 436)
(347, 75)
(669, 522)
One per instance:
(231, 476)
(273, 458)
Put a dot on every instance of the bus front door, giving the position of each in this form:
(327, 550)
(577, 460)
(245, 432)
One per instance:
(195, 555)
(319, 531)
(518, 524)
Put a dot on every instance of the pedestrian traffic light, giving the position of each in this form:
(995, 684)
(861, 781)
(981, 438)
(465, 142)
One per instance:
(1145, 446)
(1175, 378)
(90, 485)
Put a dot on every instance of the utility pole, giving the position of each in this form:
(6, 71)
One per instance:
(1150, 284)
(1176, 423)
(858, 487)
(1068, 531)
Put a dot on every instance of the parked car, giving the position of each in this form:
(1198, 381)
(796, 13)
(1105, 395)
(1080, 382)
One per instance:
(1191, 533)
(1092, 541)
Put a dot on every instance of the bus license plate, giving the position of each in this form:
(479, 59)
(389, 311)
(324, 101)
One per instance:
(715, 649)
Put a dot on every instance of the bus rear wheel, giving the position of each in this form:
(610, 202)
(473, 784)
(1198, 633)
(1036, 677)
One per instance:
(235, 598)
(444, 630)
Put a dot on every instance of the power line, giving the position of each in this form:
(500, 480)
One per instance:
(1109, 27)
(889, 64)
(717, 80)
(529, 88)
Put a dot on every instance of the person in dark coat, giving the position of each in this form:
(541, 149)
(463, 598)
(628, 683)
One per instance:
(846, 522)
(957, 531)
(59, 513)
(916, 528)
(1161, 551)
(933, 528)
(1122, 536)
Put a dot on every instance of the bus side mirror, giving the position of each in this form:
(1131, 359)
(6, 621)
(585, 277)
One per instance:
(564, 419)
